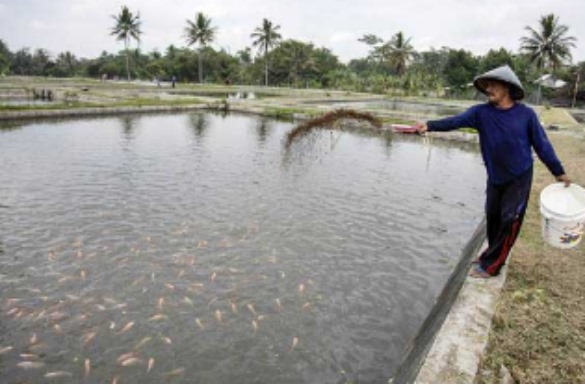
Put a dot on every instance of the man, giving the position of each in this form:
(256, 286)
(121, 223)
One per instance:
(508, 130)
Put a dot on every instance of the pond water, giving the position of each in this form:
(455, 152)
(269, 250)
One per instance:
(193, 248)
(227, 95)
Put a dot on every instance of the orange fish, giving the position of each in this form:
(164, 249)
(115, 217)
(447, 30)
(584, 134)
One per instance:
(30, 365)
(251, 308)
(295, 341)
(124, 357)
(142, 342)
(6, 349)
(57, 374)
(12, 311)
(170, 286)
(87, 338)
(127, 327)
(87, 367)
(132, 361)
(218, 315)
(175, 372)
(158, 317)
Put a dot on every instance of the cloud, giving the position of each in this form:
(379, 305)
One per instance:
(38, 25)
(341, 37)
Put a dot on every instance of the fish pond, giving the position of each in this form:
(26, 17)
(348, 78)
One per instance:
(239, 95)
(194, 247)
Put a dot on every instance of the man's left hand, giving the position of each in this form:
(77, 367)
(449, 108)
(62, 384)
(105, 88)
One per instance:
(565, 179)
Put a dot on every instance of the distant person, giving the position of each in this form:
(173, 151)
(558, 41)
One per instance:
(508, 130)
(173, 80)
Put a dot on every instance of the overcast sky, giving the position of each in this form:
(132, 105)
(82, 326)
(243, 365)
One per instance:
(83, 26)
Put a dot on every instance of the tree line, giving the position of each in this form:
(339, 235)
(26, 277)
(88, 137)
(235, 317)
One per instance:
(391, 66)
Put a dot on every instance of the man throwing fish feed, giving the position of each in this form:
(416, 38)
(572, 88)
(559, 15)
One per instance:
(508, 131)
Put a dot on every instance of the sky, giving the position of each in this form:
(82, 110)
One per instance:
(83, 26)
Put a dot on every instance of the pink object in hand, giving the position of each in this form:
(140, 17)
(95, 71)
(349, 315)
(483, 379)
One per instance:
(404, 128)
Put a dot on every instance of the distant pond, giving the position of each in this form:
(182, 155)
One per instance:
(193, 248)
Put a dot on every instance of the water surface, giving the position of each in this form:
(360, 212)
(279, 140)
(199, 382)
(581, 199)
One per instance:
(195, 243)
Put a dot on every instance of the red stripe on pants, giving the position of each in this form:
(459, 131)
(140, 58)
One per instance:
(508, 242)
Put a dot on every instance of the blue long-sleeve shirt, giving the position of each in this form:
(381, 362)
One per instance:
(506, 138)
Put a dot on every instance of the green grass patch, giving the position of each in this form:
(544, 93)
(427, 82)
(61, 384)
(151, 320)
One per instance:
(468, 130)
(289, 113)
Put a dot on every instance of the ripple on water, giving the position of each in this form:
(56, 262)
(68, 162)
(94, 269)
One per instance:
(194, 243)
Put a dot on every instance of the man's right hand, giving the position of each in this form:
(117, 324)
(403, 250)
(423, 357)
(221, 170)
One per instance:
(421, 128)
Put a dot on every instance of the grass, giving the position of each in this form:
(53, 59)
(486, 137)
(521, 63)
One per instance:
(538, 331)
(289, 112)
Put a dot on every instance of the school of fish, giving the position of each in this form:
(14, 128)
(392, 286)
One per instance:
(78, 331)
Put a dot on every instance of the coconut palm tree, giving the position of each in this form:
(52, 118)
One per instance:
(266, 37)
(127, 27)
(67, 62)
(400, 52)
(550, 46)
(200, 31)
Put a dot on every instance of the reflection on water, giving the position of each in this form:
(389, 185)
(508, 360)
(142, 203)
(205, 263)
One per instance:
(263, 129)
(198, 122)
(128, 126)
(135, 251)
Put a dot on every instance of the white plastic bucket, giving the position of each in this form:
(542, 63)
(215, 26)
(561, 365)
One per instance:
(563, 214)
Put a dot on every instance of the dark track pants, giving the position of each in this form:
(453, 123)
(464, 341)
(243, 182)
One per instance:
(505, 208)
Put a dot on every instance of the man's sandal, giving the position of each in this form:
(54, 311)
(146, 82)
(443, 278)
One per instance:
(478, 272)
